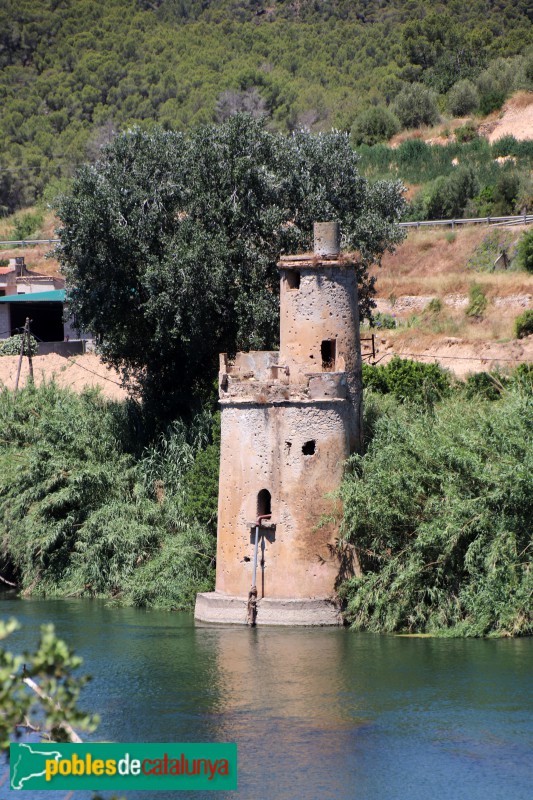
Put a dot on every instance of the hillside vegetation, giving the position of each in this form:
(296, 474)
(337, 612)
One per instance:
(75, 71)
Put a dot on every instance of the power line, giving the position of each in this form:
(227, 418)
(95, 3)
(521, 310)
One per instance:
(103, 377)
(455, 358)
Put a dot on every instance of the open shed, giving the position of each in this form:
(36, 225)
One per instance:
(45, 310)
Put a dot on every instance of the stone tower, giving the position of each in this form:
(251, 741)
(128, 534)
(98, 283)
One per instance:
(289, 421)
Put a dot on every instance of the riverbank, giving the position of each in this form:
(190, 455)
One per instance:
(94, 504)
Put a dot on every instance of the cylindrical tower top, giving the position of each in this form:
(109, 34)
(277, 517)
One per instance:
(327, 238)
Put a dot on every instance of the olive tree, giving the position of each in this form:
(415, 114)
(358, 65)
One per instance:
(52, 664)
(376, 124)
(416, 105)
(169, 244)
(463, 98)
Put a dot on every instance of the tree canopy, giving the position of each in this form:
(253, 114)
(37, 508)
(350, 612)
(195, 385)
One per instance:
(74, 71)
(170, 242)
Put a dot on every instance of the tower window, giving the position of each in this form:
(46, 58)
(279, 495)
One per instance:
(309, 448)
(293, 279)
(264, 503)
(328, 351)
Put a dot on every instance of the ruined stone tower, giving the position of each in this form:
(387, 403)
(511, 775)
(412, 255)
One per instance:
(289, 420)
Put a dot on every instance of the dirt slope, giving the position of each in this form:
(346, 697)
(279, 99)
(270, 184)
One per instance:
(75, 373)
(516, 119)
(441, 265)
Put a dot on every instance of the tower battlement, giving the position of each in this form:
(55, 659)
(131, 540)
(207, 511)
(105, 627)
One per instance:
(258, 377)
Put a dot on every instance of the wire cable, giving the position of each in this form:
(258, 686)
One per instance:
(454, 358)
(103, 377)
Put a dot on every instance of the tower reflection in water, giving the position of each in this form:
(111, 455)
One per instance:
(284, 696)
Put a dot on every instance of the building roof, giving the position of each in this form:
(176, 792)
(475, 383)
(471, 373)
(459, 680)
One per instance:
(7, 270)
(54, 296)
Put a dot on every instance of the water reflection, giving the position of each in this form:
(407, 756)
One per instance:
(282, 697)
(316, 713)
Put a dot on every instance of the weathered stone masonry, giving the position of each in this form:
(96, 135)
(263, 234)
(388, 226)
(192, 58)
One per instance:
(289, 421)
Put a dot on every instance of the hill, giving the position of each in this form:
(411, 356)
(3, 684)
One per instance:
(425, 288)
(75, 71)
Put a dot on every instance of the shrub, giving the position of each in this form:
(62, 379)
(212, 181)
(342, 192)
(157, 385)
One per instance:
(26, 225)
(505, 146)
(463, 98)
(385, 321)
(524, 197)
(498, 78)
(443, 538)
(506, 192)
(477, 301)
(481, 205)
(12, 346)
(491, 101)
(489, 249)
(375, 378)
(376, 124)
(435, 305)
(418, 382)
(416, 105)
(466, 133)
(525, 251)
(524, 78)
(522, 378)
(408, 380)
(523, 324)
(447, 196)
(486, 385)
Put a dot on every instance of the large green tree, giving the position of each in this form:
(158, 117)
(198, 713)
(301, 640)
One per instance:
(170, 243)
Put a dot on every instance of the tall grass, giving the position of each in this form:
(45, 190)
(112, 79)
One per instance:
(440, 511)
(416, 162)
(88, 508)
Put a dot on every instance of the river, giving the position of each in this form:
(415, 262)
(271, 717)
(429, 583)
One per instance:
(318, 714)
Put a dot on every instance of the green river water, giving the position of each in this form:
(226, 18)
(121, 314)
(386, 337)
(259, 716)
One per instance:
(318, 714)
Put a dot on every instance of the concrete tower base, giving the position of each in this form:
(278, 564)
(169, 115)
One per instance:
(219, 608)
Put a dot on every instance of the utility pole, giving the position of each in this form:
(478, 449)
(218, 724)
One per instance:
(28, 339)
(24, 338)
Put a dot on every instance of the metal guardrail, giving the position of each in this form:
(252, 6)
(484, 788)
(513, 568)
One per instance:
(523, 219)
(27, 242)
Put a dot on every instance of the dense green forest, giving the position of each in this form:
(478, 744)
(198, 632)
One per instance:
(93, 504)
(75, 71)
(101, 499)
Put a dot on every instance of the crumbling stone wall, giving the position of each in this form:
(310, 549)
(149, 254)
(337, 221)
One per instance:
(296, 452)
